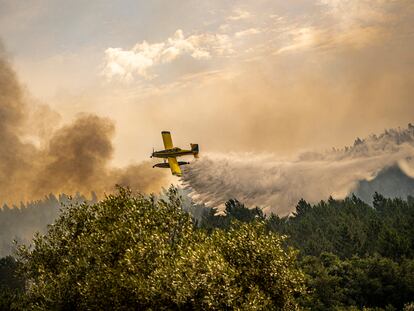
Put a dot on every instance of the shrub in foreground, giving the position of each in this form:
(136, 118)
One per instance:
(136, 252)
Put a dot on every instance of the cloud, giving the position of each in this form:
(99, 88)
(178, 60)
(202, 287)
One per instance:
(239, 14)
(351, 24)
(300, 38)
(247, 32)
(351, 12)
(126, 64)
(332, 25)
(338, 24)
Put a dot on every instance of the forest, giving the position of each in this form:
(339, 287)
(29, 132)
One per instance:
(133, 251)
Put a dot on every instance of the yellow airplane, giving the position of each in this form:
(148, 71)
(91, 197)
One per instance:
(172, 153)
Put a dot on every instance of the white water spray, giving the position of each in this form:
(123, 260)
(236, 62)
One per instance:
(277, 185)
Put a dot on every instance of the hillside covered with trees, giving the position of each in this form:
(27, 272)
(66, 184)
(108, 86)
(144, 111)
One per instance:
(131, 252)
(20, 223)
(353, 254)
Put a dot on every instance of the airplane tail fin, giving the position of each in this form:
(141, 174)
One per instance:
(195, 150)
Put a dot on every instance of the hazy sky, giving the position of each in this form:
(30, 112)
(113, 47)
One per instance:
(264, 75)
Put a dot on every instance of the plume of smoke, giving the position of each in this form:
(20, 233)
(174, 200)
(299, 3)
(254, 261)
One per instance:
(77, 156)
(15, 156)
(73, 158)
(277, 184)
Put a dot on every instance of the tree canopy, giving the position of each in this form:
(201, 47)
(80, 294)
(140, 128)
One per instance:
(136, 252)
(131, 252)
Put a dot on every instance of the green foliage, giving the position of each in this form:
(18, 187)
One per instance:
(234, 210)
(8, 274)
(138, 252)
(355, 256)
(135, 252)
(351, 227)
(374, 282)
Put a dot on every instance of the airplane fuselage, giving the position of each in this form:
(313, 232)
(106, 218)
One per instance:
(171, 153)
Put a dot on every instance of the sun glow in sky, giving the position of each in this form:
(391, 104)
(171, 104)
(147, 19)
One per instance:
(264, 75)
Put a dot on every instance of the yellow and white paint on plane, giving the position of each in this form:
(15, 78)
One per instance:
(171, 153)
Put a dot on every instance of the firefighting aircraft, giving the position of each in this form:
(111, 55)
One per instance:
(171, 153)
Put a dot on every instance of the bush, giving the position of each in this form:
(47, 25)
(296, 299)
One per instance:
(136, 252)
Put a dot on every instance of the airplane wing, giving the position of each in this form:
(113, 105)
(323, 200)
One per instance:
(175, 168)
(166, 137)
